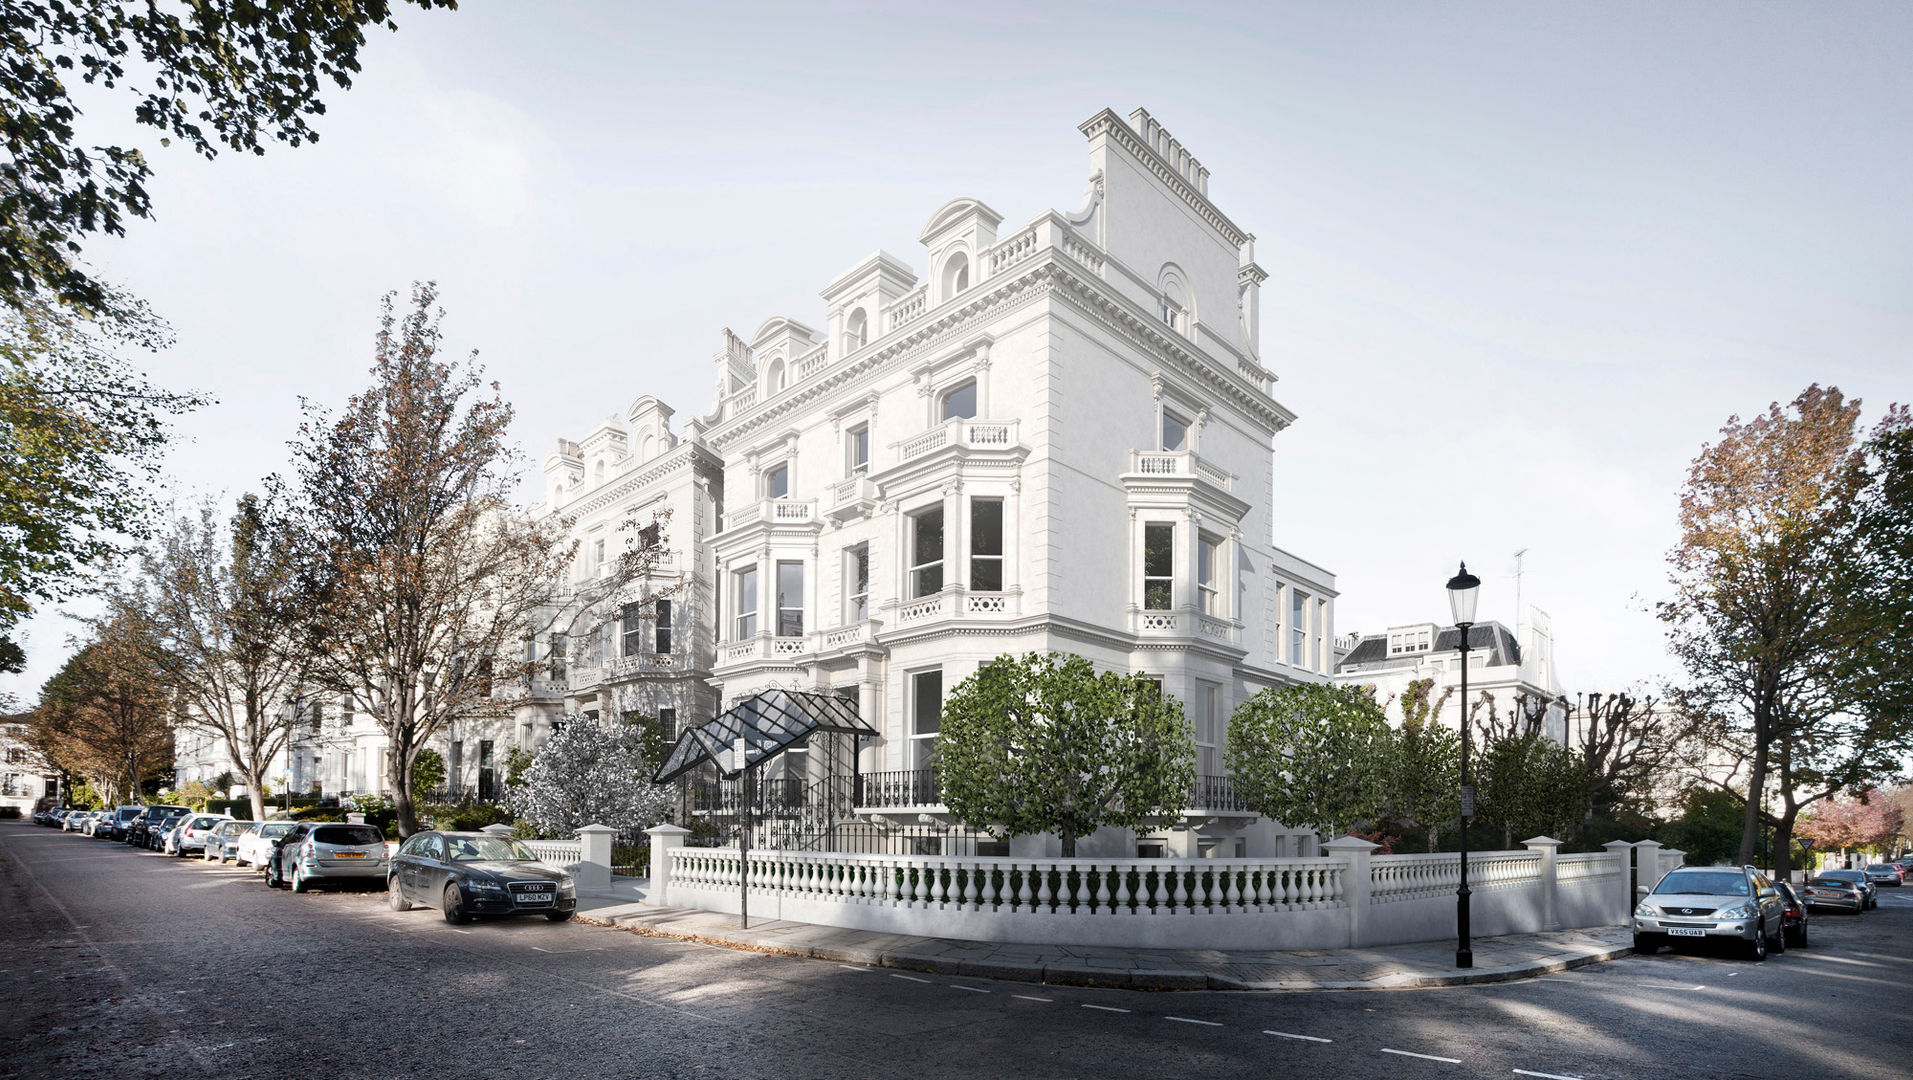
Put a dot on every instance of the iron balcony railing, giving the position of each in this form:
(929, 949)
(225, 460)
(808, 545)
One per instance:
(909, 787)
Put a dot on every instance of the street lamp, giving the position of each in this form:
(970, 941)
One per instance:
(1462, 590)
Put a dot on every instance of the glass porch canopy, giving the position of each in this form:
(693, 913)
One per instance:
(769, 723)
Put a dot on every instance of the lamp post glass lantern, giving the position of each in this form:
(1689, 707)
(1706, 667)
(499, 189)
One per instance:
(1463, 588)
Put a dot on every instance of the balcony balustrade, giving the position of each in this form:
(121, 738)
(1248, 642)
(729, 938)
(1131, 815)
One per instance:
(774, 512)
(1185, 623)
(966, 434)
(1179, 463)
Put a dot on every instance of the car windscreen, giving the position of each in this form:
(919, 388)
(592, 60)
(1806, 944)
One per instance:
(347, 835)
(1844, 875)
(1704, 883)
(489, 849)
(206, 822)
(1880, 868)
(275, 828)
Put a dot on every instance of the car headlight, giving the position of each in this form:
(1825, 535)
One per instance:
(1646, 911)
(483, 885)
(1738, 911)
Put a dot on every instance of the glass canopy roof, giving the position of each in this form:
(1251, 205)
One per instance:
(769, 723)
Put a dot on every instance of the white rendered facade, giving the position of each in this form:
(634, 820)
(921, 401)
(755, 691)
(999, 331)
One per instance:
(1059, 439)
(1507, 666)
(26, 781)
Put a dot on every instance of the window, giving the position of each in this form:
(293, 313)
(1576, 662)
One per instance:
(956, 275)
(1208, 597)
(775, 380)
(1158, 566)
(857, 450)
(597, 555)
(746, 602)
(926, 717)
(1298, 626)
(1208, 715)
(1175, 431)
(559, 644)
(856, 330)
(777, 483)
(648, 537)
(631, 633)
(1174, 305)
(926, 552)
(959, 403)
(857, 584)
(486, 787)
(668, 720)
(790, 599)
(986, 545)
(664, 627)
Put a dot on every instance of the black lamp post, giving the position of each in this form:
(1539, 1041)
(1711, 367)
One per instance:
(1462, 590)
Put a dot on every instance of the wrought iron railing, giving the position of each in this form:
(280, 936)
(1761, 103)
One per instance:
(1216, 793)
(909, 787)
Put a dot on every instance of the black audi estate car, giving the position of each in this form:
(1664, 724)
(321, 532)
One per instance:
(473, 873)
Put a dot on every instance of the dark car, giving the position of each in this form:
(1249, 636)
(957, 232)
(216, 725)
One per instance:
(137, 830)
(156, 831)
(473, 873)
(1794, 916)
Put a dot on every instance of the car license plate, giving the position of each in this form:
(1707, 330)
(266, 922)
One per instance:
(348, 854)
(1686, 931)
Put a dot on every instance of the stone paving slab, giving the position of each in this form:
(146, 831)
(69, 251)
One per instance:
(1419, 965)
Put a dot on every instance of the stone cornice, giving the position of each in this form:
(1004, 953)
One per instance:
(1121, 134)
(681, 456)
(1049, 274)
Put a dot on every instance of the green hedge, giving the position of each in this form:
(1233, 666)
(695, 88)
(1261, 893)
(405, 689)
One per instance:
(9, 813)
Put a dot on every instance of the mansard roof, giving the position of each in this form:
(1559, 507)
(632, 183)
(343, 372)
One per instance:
(1496, 640)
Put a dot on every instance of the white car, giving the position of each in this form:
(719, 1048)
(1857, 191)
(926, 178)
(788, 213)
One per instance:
(255, 848)
(191, 835)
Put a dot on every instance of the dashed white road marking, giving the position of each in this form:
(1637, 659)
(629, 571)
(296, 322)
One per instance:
(1105, 1008)
(1186, 1020)
(853, 967)
(455, 930)
(1424, 1057)
(1545, 1076)
(911, 978)
(971, 989)
(1292, 1035)
(1027, 997)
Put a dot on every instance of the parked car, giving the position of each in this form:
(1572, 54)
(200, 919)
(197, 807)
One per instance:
(191, 835)
(114, 823)
(222, 842)
(255, 846)
(327, 851)
(158, 833)
(1795, 916)
(139, 830)
(1844, 894)
(1884, 875)
(1701, 902)
(473, 873)
(75, 821)
(1858, 877)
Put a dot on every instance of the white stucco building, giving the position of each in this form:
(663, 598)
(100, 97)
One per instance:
(1059, 437)
(1507, 665)
(26, 781)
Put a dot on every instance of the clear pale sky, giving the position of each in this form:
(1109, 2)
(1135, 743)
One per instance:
(1524, 258)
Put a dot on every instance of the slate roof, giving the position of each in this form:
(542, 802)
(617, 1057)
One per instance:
(1492, 638)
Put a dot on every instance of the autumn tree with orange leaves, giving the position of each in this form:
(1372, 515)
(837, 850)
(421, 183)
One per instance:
(1778, 610)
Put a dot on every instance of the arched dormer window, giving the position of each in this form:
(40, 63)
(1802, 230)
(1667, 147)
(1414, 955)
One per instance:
(956, 274)
(856, 330)
(597, 472)
(1175, 308)
(774, 378)
(650, 447)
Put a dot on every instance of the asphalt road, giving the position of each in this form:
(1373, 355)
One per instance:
(123, 963)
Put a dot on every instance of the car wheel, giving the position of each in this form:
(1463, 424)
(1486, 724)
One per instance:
(1646, 944)
(298, 880)
(1779, 942)
(454, 910)
(273, 880)
(1757, 948)
(395, 897)
(558, 916)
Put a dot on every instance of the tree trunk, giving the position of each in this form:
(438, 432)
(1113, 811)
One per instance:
(1069, 843)
(1783, 844)
(256, 792)
(1756, 787)
(398, 774)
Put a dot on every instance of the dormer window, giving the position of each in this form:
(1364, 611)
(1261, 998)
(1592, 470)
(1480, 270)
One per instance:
(959, 403)
(956, 275)
(774, 378)
(1173, 300)
(856, 330)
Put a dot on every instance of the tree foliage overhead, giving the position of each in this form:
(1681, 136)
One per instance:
(1312, 755)
(216, 595)
(232, 74)
(81, 438)
(1778, 612)
(591, 773)
(1044, 743)
(107, 715)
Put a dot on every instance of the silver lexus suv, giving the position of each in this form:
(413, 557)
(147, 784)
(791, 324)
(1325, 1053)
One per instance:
(1702, 902)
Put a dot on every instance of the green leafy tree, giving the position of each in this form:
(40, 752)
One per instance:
(1526, 785)
(1424, 784)
(82, 439)
(236, 74)
(1313, 755)
(1044, 743)
(107, 714)
(428, 771)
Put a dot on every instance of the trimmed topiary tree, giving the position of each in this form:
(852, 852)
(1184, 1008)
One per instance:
(1312, 755)
(1044, 743)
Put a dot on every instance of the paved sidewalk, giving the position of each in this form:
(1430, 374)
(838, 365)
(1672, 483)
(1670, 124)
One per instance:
(1390, 967)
